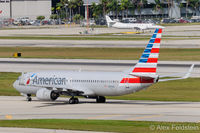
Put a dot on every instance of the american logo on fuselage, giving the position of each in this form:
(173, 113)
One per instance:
(48, 81)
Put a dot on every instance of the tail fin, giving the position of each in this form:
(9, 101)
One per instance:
(109, 21)
(147, 64)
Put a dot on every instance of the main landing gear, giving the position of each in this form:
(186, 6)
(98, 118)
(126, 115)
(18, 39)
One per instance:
(73, 100)
(29, 97)
(100, 99)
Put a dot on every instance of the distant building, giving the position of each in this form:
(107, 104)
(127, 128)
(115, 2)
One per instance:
(25, 8)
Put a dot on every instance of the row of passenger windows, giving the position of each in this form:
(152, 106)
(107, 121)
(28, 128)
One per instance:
(96, 81)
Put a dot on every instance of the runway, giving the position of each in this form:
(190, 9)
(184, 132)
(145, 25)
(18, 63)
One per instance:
(27, 65)
(17, 108)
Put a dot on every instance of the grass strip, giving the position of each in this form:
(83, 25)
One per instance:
(105, 125)
(6, 84)
(180, 90)
(174, 54)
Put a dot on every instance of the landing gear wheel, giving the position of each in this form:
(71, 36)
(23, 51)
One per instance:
(100, 99)
(29, 97)
(73, 100)
(76, 101)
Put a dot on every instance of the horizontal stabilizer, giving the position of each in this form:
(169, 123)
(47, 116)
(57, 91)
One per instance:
(145, 76)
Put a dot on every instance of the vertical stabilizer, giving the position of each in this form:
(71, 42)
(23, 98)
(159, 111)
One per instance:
(109, 21)
(149, 59)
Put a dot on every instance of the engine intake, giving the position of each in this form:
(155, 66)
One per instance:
(45, 94)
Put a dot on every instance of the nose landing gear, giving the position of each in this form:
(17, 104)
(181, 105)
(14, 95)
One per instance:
(28, 98)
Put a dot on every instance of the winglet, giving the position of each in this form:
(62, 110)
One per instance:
(187, 75)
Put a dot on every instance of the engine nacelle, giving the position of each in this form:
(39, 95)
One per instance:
(45, 94)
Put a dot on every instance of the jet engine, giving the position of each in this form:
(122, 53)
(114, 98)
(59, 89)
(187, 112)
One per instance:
(45, 94)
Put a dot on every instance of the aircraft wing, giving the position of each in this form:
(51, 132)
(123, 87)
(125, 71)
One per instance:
(78, 91)
(187, 75)
(139, 28)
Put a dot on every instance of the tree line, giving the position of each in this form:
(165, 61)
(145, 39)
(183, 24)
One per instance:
(72, 8)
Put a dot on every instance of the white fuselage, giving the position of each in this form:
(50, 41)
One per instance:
(142, 26)
(91, 83)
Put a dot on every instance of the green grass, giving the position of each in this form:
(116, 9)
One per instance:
(102, 125)
(6, 82)
(180, 90)
(99, 53)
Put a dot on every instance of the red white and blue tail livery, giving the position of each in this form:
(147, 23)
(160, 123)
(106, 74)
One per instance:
(143, 74)
(149, 59)
(49, 85)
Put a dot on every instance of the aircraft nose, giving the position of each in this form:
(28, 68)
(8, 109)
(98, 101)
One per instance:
(15, 84)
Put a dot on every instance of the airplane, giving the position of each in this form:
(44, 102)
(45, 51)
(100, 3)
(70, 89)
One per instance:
(137, 26)
(49, 85)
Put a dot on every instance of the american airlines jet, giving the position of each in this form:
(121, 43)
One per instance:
(49, 85)
(137, 26)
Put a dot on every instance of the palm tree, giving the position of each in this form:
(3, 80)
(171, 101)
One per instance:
(186, 8)
(140, 5)
(96, 10)
(79, 4)
(104, 4)
(58, 9)
(169, 5)
(195, 4)
(72, 5)
(112, 6)
(125, 5)
(157, 6)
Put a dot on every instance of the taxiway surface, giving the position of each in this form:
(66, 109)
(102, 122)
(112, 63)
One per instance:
(36, 130)
(16, 107)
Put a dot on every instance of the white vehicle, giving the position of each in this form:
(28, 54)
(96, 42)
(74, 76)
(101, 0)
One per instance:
(137, 26)
(49, 85)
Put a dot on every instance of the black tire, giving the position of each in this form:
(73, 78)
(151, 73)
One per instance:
(101, 99)
(29, 99)
(76, 101)
(71, 101)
